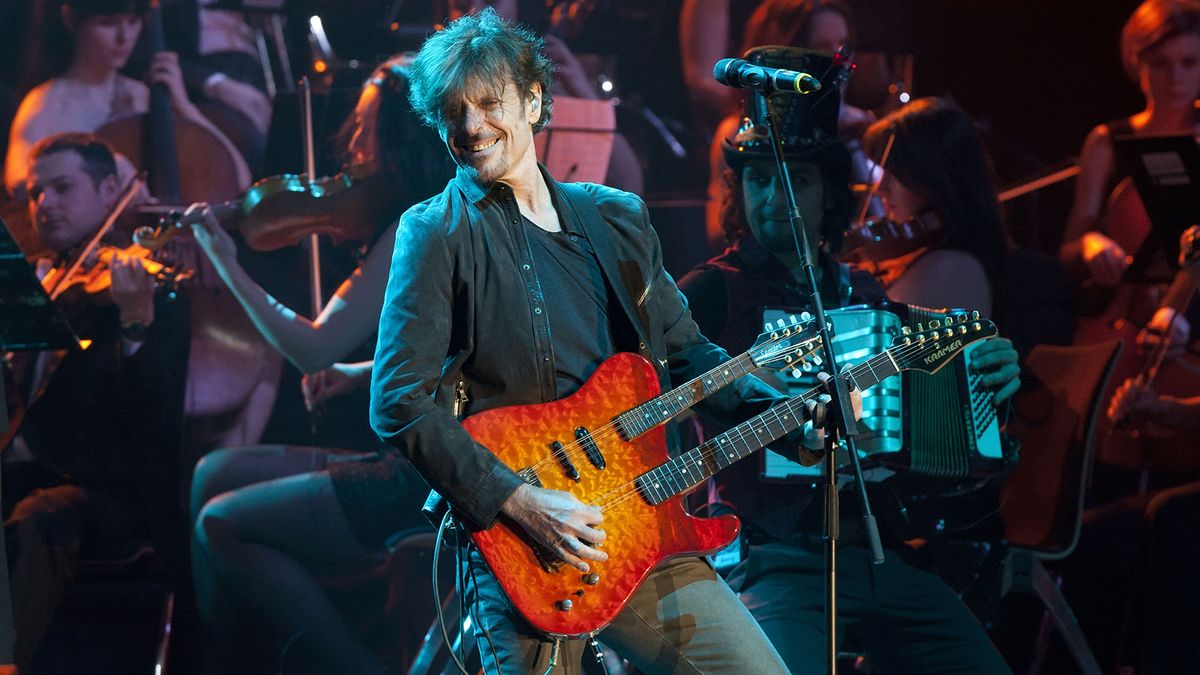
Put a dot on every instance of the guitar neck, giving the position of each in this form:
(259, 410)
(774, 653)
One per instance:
(639, 420)
(688, 470)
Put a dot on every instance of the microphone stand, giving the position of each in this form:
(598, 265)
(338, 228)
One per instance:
(841, 421)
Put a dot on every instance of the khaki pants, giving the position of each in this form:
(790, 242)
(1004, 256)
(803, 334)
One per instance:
(682, 619)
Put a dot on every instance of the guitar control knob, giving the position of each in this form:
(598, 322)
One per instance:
(591, 579)
(565, 605)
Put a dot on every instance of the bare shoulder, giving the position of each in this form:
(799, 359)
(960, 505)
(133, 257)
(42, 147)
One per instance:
(33, 107)
(947, 261)
(945, 278)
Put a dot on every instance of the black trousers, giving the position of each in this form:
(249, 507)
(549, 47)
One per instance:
(907, 620)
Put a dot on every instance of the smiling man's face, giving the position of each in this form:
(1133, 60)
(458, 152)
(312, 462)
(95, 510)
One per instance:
(493, 136)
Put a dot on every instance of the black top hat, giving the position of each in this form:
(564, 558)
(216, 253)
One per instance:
(808, 121)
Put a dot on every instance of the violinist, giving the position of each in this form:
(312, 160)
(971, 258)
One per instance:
(284, 512)
(937, 172)
(904, 617)
(1160, 51)
(83, 45)
(1170, 550)
(102, 424)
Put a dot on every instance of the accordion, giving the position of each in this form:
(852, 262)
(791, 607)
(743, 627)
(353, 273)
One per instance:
(939, 426)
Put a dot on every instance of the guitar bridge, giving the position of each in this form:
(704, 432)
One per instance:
(530, 476)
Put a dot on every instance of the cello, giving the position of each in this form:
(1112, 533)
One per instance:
(231, 369)
(1135, 446)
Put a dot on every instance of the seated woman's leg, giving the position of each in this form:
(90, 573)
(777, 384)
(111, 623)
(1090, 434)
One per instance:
(228, 469)
(223, 471)
(266, 541)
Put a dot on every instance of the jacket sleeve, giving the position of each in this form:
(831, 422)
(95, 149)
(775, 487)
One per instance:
(413, 347)
(690, 354)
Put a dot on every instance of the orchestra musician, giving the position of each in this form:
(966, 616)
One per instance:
(1160, 51)
(219, 62)
(84, 44)
(511, 288)
(253, 552)
(1170, 550)
(103, 423)
(906, 618)
(937, 173)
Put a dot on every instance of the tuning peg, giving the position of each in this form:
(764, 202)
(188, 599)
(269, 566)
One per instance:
(767, 326)
(949, 332)
(907, 341)
(920, 327)
(962, 330)
(805, 316)
(792, 319)
(977, 326)
(816, 358)
(975, 315)
(935, 324)
(796, 373)
(920, 338)
(808, 367)
(905, 330)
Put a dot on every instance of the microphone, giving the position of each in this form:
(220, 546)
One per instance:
(740, 73)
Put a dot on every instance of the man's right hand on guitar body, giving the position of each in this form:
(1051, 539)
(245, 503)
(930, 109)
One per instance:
(559, 522)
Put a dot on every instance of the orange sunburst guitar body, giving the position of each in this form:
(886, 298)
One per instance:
(639, 535)
(605, 445)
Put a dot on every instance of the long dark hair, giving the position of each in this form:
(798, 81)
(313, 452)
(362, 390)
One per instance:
(51, 43)
(410, 154)
(939, 155)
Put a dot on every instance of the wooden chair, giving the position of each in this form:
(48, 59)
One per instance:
(1043, 499)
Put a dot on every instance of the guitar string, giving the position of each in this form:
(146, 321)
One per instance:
(575, 450)
(629, 490)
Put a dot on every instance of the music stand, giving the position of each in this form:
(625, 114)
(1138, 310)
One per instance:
(1166, 172)
(28, 321)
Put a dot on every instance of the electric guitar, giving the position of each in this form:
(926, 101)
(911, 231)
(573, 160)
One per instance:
(619, 462)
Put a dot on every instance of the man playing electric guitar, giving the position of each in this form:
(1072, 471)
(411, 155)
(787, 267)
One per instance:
(511, 288)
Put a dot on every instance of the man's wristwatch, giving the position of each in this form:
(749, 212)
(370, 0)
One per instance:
(134, 331)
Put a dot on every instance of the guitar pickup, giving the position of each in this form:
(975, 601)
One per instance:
(561, 455)
(589, 447)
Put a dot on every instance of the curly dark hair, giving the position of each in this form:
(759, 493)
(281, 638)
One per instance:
(479, 48)
(834, 162)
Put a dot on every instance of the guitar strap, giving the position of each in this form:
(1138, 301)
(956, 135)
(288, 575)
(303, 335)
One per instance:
(627, 279)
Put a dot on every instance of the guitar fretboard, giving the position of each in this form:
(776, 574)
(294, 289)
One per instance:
(695, 466)
(637, 421)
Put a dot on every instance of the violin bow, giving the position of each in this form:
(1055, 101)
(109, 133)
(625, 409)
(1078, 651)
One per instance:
(131, 188)
(310, 162)
(883, 158)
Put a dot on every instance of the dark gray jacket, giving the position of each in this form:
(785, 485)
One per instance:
(464, 304)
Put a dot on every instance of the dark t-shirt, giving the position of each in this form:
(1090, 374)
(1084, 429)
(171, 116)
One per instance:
(577, 300)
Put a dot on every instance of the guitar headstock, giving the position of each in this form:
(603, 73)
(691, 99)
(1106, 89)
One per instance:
(928, 348)
(792, 342)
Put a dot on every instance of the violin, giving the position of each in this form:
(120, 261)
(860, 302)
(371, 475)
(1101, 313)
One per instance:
(874, 241)
(281, 211)
(93, 279)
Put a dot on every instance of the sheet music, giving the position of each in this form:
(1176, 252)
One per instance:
(577, 144)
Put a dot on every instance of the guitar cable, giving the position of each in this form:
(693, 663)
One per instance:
(437, 595)
(462, 563)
